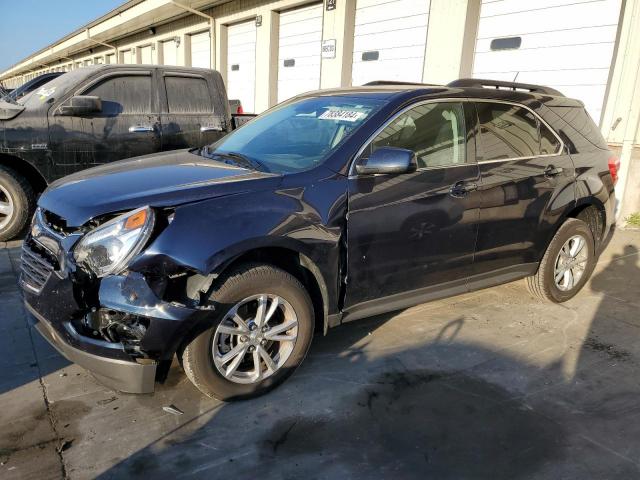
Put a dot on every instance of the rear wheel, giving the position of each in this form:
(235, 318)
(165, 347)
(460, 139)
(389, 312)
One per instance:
(17, 201)
(262, 333)
(567, 263)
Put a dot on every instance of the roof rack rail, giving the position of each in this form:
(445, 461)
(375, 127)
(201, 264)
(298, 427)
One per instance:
(498, 84)
(376, 83)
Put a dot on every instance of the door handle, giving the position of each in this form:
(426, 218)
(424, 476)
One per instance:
(140, 128)
(552, 171)
(460, 189)
(210, 129)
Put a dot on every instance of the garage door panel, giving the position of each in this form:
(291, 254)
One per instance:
(564, 18)
(594, 35)
(241, 64)
(395, 34)
(299, 51)
(565, 44)
(201, 50)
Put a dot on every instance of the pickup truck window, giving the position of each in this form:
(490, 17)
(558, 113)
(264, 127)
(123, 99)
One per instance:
(299, 135)
(125, 94)
(188, 95)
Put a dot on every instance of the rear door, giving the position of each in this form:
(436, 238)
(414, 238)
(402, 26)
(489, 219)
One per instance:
(127, 126)
(188, 118)
(412, 236)
(524, 169)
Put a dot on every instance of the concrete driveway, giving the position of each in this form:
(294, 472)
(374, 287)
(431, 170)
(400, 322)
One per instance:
(491, 384)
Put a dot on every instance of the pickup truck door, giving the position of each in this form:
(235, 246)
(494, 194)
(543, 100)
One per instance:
(126, 127)
(411, 237)
(188, 115)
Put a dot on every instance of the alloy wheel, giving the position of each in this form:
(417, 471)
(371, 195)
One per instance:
(571, 263)
(255, 338)
(6, 207)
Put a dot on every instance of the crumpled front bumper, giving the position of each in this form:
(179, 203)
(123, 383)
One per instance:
(54, 309)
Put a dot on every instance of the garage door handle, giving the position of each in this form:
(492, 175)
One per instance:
(140, 128)
(552, 171)
(210, 129)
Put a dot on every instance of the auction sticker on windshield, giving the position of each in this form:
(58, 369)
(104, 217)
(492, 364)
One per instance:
(344, 115)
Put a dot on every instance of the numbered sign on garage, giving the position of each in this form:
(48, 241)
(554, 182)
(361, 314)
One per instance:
(390, 40)
(563, 44)
(241, 64)
(299, 51)
(201, 50)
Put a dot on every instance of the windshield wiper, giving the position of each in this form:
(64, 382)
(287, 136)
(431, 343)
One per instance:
(235, 158)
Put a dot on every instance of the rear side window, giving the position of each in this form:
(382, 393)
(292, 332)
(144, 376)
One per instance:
(126, 94)
(507, 131)
(434, 131)
(188, 95)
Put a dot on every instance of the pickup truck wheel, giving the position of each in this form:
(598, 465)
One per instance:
(17, 201)
(567, 263)
(261, 334)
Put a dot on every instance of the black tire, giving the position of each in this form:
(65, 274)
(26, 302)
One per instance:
(244, 282)
(543, 285)
(23, 199)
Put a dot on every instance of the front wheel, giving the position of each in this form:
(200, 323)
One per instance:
(262, 332)
(17, 201)
(567, 263)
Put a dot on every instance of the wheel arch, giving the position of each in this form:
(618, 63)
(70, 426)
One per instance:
(26, 169)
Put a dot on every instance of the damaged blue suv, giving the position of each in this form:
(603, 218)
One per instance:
(330, 207)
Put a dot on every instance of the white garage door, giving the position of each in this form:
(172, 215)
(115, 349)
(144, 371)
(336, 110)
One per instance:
(201, 50)
(565, 44)
(145, 55)
(390, 40)
(241, 64)
(299, 51)
(169, 53)
(111, 58)
(126, 57)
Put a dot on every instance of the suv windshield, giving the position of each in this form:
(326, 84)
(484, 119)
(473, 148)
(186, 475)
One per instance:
(297, 136)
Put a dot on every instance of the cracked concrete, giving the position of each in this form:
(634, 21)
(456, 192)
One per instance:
(491, 384)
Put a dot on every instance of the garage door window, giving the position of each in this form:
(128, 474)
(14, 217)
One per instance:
(128, 94)
(434, 131)
(188, 95)
(508, 131)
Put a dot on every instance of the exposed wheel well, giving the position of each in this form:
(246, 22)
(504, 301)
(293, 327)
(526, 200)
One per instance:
(28, 171)
(594, 216)
(297, 265)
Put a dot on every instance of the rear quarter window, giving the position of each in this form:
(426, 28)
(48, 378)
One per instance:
(581, 121)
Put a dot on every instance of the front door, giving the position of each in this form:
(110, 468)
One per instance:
(126, 127)
(411, 237)
(524, 170)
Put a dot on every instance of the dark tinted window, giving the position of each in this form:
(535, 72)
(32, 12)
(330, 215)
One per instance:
(508, 43)
(434, 131)
(188, 95)
(127, 94)
(507, 131)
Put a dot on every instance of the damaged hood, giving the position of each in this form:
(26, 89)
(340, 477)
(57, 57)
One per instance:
(159, 180)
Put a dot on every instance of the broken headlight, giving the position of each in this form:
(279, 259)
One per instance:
(108, 248)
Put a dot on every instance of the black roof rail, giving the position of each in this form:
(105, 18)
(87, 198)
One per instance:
(498, 84)
(377, 83)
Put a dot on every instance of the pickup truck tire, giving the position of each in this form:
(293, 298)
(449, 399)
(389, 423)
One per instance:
(17, 202)
(209, 361)
(567, 264)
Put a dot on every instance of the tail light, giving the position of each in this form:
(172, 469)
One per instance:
(240, 110)
(614, 167)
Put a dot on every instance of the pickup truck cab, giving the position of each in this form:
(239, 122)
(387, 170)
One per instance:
(330, 207)
(98, 114)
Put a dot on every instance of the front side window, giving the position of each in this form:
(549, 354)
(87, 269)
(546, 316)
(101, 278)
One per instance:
(509, 131)
(126, 94)
(299, 135)
(188, 95)
(434, 131)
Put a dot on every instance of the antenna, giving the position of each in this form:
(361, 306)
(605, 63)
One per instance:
(514, 78)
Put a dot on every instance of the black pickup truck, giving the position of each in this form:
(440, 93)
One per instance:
(99, 114)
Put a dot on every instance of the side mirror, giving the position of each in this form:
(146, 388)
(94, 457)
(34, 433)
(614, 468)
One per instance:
(80, 105)
(388, 160)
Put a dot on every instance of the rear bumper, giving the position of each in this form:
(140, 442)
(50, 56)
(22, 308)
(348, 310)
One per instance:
(122, 375)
